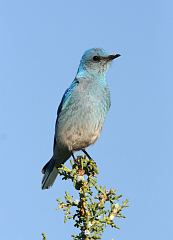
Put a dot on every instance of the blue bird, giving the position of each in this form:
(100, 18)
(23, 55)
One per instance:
(82, 111)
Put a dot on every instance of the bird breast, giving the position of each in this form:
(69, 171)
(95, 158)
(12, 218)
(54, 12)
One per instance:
(81, 121)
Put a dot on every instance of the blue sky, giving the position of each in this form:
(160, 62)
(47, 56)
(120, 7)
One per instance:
(41, 45)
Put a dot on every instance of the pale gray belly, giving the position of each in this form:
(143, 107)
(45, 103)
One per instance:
(81, 121)
(79, 134)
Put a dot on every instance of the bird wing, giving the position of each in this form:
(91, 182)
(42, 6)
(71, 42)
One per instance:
(63, 103)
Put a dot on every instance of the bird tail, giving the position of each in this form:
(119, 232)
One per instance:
(50, 172)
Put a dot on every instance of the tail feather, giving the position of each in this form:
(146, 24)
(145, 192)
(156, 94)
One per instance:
(50, 170)
(50, 173)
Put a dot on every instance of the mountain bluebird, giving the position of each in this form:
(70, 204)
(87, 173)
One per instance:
(82, 111)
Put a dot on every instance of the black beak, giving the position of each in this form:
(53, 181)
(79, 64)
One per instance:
(112, 57)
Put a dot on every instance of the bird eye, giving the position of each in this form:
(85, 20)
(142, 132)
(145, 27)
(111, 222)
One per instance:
(96, 58)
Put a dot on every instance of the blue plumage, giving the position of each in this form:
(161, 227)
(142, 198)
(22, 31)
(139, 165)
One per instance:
(82, 111)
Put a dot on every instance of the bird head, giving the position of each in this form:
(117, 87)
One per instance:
(96, 61)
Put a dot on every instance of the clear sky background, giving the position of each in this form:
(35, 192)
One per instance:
(41, 43)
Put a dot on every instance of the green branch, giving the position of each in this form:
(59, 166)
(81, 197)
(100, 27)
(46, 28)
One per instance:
(96, 207)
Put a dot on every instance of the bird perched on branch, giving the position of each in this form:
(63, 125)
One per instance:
(82, 111)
